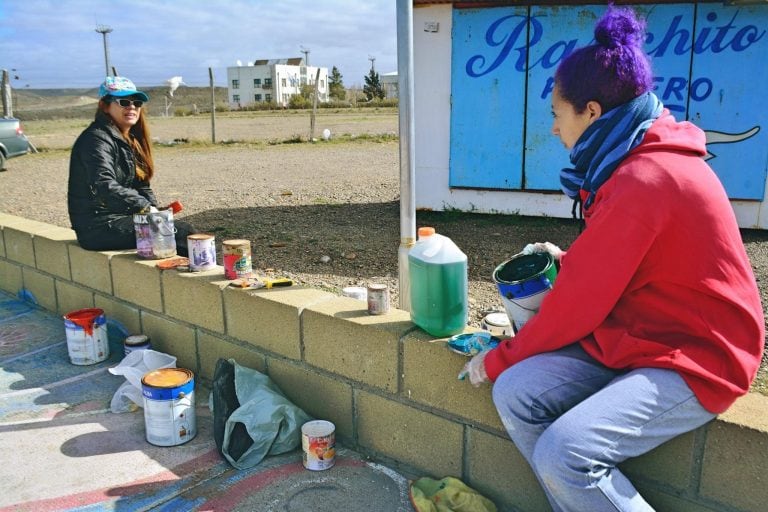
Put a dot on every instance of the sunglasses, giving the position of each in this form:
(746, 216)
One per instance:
(127, 103)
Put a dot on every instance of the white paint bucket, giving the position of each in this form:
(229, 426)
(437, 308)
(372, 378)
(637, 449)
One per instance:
(523, 282)
(318, 443)
(155, 234)
(87, 341)
(169, 406)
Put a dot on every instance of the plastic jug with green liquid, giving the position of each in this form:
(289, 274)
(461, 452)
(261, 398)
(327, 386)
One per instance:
(438, 280)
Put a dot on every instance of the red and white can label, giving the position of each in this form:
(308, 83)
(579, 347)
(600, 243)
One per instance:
(318, 442)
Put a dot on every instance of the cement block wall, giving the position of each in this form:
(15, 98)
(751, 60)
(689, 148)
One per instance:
(389, 387)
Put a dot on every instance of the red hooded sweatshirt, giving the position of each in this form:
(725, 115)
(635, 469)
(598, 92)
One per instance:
(659, 277)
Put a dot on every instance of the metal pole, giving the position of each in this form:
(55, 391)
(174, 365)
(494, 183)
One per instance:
(407, 151)
(213, 106)
(314, 108)
(6, 95)
(104, 30)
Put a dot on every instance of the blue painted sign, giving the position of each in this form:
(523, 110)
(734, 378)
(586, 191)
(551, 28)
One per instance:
(707, 63)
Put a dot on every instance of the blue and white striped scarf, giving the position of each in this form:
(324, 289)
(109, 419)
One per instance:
(605, 143)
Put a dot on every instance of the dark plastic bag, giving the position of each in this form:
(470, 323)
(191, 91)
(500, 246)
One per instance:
(251, 416)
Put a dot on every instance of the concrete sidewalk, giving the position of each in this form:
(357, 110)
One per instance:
(62, 448)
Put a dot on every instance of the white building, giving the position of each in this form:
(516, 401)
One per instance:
(389, 84)
(273, 80)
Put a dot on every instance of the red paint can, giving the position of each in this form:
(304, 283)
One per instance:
(237, 259)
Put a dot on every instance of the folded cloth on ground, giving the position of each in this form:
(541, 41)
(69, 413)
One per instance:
(447, 495)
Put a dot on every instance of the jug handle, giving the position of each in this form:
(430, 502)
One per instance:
(433, 250)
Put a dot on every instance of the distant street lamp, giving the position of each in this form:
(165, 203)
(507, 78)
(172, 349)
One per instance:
(104, 30)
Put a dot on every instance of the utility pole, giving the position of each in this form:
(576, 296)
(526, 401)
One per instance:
(104, 30)
(305, 51)
(372, 59)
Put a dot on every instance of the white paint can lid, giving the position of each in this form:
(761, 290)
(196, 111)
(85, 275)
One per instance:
(356, 292)
(318, 428)
(497, 319)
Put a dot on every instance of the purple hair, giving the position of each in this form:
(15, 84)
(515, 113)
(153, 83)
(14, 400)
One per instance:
(612, 71)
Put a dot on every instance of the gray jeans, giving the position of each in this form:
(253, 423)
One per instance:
(574, 420)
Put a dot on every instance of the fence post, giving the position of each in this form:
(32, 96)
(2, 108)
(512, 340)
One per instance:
(314, 109)
(213, 106)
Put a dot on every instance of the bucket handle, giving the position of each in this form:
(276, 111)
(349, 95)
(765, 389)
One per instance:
(523, 307)
(164, 224)
(430, 252)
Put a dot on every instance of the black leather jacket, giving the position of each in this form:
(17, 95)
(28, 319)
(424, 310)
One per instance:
(102, 178)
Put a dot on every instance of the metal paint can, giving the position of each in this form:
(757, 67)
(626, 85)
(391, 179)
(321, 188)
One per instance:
(237, 259)
(87, 341)
(378, 299)
(202, 252)
(136, 342)
(169, 406)
(318, 443)
(497, 324)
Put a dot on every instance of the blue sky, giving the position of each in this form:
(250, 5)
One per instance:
(54, 43)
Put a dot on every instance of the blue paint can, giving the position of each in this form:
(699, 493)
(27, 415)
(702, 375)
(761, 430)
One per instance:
(523, 282)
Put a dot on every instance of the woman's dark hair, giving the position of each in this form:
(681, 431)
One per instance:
(612, 71)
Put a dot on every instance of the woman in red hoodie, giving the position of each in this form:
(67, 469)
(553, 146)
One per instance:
(655, 324)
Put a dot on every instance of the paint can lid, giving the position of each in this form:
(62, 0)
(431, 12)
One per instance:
(318, 428)
(167, 377)
(136, 339)
(200, 236)
(497, 319)
(356, 292)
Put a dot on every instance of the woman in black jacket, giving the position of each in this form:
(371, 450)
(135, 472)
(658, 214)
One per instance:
(110, 171)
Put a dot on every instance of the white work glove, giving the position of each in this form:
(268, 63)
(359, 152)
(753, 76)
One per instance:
(549, 247)
(475, 369)
(152, 209)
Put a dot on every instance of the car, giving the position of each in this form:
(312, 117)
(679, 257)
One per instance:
(13, 142)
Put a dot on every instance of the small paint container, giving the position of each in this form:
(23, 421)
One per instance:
(497, 324)
(318, 442)
(237, 259)
(355, 292)
(87, 341)
(202, 252)
(169, 406)
(378, 299)
(136, 342)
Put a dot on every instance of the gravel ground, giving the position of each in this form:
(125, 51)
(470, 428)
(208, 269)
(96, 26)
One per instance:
(299, 203)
